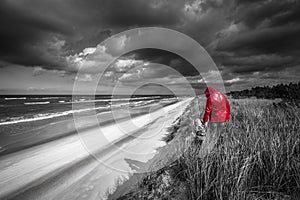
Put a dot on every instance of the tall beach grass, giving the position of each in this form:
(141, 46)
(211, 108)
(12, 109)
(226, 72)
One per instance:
(257, 156)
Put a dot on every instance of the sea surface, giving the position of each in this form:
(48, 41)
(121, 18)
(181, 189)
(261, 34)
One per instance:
(26, 120)
(17, 109)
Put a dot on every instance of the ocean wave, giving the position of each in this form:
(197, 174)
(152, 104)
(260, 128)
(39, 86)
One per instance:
(2, 149)
(134, 103)
(119, 105)
(36, 117)
(47, 97)
(139, 103)
(37, 103)
(112, 100)
(14, 98)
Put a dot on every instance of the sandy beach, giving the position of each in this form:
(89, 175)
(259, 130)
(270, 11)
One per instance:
(66, 168)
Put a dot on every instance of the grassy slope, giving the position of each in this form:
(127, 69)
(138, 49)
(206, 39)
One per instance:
(257, 157)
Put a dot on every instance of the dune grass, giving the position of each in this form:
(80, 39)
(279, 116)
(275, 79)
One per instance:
(256, 157)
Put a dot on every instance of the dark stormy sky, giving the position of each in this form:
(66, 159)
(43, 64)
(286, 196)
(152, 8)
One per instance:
(252, 42)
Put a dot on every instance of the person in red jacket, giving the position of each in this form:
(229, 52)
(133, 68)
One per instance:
(217, 106)
(217, 110)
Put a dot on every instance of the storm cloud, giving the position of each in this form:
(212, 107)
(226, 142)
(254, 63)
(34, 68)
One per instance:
(247, 39)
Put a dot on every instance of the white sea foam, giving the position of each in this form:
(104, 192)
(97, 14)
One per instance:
(37, 117)
(37, 103)
(14, 98)
(47, 97)
(134, 103)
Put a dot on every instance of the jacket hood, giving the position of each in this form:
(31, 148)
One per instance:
(210, 90)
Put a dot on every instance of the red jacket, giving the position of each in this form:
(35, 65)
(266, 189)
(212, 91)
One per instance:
(217, 106)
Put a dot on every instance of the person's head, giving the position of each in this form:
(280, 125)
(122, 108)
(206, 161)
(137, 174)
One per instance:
(210, 90)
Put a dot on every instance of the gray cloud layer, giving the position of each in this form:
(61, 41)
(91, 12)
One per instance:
(242, 36)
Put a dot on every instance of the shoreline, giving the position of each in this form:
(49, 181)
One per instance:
(52, 151)
(175, 146)
(65, 128)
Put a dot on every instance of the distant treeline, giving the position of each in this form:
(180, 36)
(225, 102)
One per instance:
(284, 91)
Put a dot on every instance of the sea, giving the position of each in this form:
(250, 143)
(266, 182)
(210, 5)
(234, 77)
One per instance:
(25, 119)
